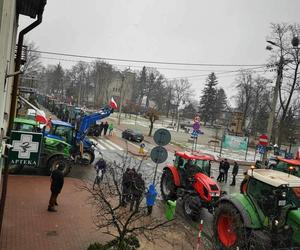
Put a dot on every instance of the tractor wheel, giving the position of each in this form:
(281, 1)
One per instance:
(89, 156)
(228, 227)
(167, 186)
(53, 163)
(15, 169)
(191, 206)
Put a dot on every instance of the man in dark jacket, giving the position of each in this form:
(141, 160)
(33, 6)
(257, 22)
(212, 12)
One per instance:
(105, 127)
(226, 168)
(235, 171)
(221, 172)
(57, 182)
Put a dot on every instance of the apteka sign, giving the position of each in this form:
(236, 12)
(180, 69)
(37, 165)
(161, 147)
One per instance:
(26, 147)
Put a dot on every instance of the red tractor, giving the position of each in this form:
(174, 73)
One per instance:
(188, 178)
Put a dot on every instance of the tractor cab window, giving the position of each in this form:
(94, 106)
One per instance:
(294, 197)
(179, 162)
(64, 132)
(262, 194)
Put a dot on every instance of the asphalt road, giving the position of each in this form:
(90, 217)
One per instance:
(113, 152)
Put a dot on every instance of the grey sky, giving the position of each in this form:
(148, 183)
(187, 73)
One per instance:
(194, 31)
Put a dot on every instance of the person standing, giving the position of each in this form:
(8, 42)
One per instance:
(235, 171)
(105, 127)
(110, 129)
(150, 198)
(101, 128)
(221, 172)
(57, 182)
(226, 168)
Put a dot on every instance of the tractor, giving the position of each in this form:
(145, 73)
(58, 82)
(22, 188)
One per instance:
(189, 179)
(287, 165)
(265, 215)
(53, 151)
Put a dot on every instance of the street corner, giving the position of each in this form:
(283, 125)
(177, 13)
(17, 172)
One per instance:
(145, 156)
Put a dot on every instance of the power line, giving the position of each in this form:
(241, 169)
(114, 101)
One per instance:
(139, 66)
(145, 61)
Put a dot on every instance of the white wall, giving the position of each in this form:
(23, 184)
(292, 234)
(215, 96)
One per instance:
(8, 31)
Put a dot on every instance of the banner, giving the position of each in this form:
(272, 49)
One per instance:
(235, 142)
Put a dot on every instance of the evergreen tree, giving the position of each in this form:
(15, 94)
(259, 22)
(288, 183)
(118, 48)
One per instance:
(220, 104)
(207, 101)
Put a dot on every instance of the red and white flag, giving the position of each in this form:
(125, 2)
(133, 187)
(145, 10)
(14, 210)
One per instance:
(41, 117)
(113, 104)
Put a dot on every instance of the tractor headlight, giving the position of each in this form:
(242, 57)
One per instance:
(214, 194)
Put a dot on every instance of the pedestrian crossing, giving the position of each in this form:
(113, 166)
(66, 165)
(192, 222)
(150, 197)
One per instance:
(105, 144)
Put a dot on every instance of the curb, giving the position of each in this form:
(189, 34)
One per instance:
(138, 154)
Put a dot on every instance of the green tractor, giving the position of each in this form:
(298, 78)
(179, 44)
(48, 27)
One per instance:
(265, 215)
(54, 151)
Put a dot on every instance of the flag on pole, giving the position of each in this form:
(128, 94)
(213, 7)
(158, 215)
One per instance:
(113, 104)
(41, 117)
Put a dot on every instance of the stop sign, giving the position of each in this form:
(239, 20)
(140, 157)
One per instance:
(263, 140)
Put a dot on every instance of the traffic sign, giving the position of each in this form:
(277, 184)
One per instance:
(159, 154)
(162, 137)
(263, 140)
(261, 149)
(26, 147)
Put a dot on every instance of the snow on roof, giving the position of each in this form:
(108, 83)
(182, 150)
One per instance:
(275, 178)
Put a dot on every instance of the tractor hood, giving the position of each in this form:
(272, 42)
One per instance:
(293, 221)
(211, 186)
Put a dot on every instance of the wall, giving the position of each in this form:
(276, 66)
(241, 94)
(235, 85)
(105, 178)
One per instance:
(8, 31)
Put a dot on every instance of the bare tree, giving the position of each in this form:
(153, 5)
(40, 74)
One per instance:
(285, 39)
(112, 217)
(182, 92)
(153, 115)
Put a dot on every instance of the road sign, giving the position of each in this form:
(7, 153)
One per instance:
(26, 148)
(159, 154)
(162, 137)
(261, 149)
(263, 140)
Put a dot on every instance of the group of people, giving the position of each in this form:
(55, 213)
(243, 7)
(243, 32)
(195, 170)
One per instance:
(224, 169)
(104, 126)
(133, 189)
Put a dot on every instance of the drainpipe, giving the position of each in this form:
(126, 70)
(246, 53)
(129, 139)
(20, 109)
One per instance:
(13, 109)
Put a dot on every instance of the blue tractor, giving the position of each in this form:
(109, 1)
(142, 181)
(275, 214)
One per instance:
(75, 135)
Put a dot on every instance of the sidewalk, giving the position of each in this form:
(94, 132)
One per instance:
(28, 225)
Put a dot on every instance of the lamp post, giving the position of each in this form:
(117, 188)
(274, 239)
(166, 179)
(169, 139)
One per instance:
(295, 44)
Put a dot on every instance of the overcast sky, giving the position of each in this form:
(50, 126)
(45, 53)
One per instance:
(191, 31)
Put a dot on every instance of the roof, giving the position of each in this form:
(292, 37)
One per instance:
(25, 121)
(275, 178)
(290, 161)
(195, 156)
(30, 7)
(61, 123)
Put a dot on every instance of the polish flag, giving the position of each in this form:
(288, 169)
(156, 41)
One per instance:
(41, 117)
(113, 104)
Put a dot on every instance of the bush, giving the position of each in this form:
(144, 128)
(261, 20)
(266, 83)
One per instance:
(130, 243)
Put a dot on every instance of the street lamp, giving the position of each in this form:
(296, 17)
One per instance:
(295, 44)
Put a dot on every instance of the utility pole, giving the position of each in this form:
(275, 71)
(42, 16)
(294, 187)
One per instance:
(121, 98)
(275, 97)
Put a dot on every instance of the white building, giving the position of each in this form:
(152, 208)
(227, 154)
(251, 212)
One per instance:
(9, 15)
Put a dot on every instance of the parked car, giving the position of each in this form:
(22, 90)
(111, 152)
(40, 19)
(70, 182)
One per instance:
(132, 135)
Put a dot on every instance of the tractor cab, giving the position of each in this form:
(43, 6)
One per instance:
(62, 131)
(272, 190)
(201, 163)
(25, 124)
(288, 166)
